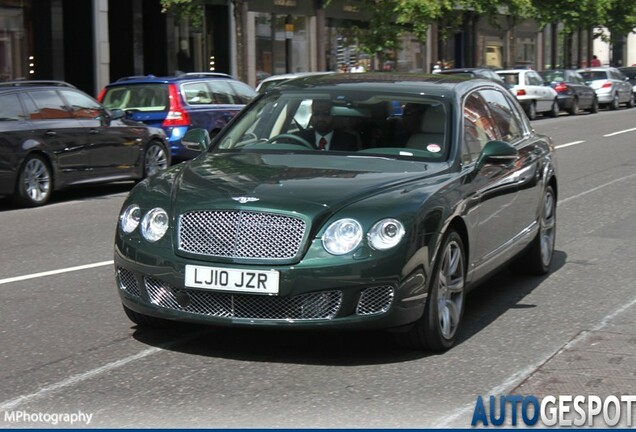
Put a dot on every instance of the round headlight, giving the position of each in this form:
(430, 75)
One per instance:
(385, 234)
(155, 224)
(129, 218)
(342, 236)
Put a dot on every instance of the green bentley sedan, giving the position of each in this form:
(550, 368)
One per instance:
(343, 201)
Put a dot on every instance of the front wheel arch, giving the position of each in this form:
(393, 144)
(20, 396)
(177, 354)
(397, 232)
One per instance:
(154, 161)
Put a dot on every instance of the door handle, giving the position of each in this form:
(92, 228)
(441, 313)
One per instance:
(50, 133)
(93, 131)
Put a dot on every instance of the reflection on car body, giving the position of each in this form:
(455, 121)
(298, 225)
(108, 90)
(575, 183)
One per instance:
(264, 229)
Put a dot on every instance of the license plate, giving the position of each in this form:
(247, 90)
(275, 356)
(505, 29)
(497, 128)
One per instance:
(225, 279)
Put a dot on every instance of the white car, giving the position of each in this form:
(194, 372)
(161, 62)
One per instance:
(612, 87)
(531, 91)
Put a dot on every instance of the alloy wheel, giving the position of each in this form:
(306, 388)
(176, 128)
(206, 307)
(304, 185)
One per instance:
(450, 289)
(36, 180)
(155, 160)
(547, 229)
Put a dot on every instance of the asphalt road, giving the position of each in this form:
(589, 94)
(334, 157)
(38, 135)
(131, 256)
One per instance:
(67, 347)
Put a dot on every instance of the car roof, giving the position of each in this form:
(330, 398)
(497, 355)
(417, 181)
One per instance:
(34, 83)
(144, 79)
(399, 83)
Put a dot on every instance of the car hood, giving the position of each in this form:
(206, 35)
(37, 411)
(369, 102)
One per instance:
(309, 184)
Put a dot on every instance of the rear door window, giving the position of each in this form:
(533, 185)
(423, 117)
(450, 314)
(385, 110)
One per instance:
(50, 105)
(223, 92)
(82, 106)
(243, 92)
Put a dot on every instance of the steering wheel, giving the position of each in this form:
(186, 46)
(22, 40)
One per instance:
(295, 139)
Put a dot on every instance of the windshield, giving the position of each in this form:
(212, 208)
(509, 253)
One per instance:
(355, 122)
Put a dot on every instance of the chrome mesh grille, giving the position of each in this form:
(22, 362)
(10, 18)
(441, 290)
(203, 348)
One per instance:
(375, 300)
(127, 281)
(313, 306)
(241, 234)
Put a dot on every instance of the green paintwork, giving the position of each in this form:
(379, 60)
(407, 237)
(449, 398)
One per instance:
(486, 202)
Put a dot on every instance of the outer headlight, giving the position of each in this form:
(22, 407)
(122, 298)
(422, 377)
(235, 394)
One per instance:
(342, 236)
(154, 224)
(129, 219)
(385, 234)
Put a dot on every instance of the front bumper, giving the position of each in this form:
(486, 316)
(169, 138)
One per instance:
(322, 297)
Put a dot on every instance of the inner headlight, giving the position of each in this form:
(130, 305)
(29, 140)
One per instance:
(385, 234)
(155, 224)
(130, 218)
(342, 236)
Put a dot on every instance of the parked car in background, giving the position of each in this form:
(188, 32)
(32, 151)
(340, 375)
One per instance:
(574, 94)
(53, 135)
(200, 100)
(278, 79)
(267, 230)
(475, 73)
(611, 86)
(630, 73)
(531, 91)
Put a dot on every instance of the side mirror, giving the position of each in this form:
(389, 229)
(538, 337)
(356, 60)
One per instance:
(196, 139)
(497, 152)
(116, 113)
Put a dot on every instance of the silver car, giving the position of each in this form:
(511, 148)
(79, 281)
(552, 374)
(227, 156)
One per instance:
(611, 86)
(531, 91)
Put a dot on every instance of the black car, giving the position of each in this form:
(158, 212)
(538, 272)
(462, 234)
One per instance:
(573, 93)
(53, 135)
(630, 73)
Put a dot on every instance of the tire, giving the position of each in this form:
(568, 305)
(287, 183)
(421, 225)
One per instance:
(437, 329)
(538, 257)
(532, 111)
(631, 102)
(594, 107)
(35, 182)
(147, 321)
(614, 105)
(155, 159)
(574, 109)
(554, 111)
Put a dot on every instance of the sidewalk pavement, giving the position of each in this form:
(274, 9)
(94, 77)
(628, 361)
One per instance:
(599, 361)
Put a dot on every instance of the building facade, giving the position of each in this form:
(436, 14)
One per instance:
(90, 43)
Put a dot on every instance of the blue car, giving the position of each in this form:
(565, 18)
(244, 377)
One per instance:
(175, 104)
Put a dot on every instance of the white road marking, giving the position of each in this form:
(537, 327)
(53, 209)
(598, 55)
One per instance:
(563, 201)
(569, 144)
(75, 379)
(620, 132)
(54, 272)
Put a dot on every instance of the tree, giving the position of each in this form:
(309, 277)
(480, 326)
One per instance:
(620, 20)
(383, 34)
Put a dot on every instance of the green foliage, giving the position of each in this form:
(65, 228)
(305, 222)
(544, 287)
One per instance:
(191, 10)
(382, 34)
(620, 17)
